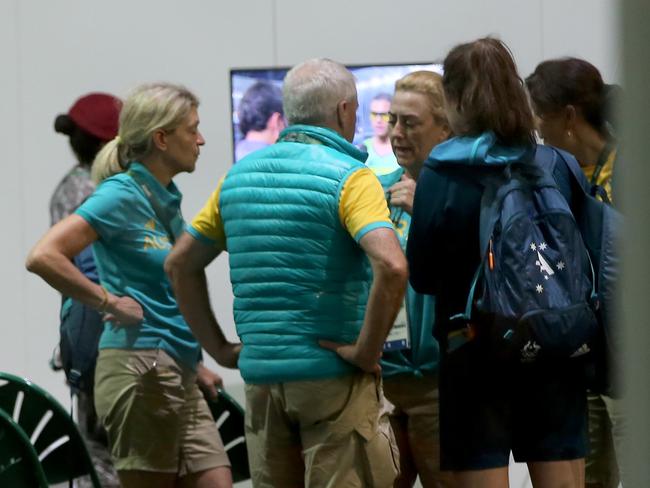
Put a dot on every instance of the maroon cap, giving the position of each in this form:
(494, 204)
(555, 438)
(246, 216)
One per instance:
(98, 114)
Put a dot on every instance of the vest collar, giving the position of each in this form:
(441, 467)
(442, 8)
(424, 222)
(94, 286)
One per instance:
(311, 134)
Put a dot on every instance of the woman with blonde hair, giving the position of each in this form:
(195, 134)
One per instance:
(160, 430)
(417, 123)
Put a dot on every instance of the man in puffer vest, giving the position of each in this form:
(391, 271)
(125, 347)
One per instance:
(299, 219)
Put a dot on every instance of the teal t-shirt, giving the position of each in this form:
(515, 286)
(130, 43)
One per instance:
(130, 253)
(380, 165)
(423, 355)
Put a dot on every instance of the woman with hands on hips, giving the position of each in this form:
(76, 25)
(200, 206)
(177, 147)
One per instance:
(160, 430)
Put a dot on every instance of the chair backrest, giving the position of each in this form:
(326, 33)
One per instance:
(229, 417)
(19, 465)
(54, 435)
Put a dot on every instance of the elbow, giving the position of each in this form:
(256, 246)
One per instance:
(35, 261)
(174, 267)
(401, 270)
(395, 270)
(171, 266)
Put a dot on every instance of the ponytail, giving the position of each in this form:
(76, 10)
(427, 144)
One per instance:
(107, 162)
(148, 108)
(611, 106)
(485, 91)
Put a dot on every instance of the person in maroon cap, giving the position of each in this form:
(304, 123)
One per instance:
(90, 123)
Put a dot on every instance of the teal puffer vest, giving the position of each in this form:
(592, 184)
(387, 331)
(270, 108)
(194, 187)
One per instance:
(296, 273)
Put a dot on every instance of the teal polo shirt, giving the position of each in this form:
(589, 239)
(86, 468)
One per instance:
(130, 253)
(423, 355)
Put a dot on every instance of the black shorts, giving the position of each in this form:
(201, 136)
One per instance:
(489, 408)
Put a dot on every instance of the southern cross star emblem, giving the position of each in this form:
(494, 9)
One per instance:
(561, 265)
(539, 288)
(543, 246)
(533, 247)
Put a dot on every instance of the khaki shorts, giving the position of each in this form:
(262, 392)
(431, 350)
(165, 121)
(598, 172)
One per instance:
(321, 433)
(154, 413)
(415, 421)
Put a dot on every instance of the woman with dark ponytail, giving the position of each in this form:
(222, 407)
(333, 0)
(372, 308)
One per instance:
(489, 407)
(576, 112)
(575, 109)
(90, 123)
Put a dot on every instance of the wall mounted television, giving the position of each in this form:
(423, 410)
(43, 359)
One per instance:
(372, 79)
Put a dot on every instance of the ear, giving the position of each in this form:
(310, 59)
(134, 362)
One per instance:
(445, 133)
(341, 110)
(276, 122)
(570, 117)
(159, 138)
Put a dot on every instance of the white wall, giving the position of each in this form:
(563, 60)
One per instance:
(53, 51)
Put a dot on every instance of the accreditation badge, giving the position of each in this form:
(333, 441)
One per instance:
(399, 336)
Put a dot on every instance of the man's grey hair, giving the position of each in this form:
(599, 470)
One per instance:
(312, 90)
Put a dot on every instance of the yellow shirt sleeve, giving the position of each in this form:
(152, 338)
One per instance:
(362, 205)
(207, 225)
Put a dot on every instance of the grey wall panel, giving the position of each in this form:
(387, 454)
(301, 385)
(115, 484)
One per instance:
(70, 47)
(54, 51)
(389, 31)
(584, 28)
(14, 339)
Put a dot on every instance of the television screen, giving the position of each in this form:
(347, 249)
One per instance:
(256, 96)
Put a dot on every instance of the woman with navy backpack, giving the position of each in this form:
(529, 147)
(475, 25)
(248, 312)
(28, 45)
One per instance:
(489, 406)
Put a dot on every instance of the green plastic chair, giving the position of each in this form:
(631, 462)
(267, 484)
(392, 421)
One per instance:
(19, 464)
(229, 417)
(54, 435)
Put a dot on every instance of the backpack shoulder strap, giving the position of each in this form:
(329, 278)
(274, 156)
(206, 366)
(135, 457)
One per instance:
(574, 168)
(599, 191)
(495, 187)
(490, 204)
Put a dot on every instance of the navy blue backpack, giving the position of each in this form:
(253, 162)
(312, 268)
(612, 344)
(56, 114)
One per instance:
(80, 330)
(533, 295)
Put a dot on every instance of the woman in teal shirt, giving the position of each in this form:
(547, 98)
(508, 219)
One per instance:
(417, 124)
(160, 430)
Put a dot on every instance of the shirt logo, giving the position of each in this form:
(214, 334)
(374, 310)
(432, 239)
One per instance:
(156, 242)
(153, 241)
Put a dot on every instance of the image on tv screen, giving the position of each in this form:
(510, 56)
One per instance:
(256, 96)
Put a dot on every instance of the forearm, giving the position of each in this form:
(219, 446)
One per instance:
(384, 301)
(191, 289)
(60, 273)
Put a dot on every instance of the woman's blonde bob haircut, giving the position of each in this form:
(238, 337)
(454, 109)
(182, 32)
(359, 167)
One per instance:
(148, 108)
(429, 84)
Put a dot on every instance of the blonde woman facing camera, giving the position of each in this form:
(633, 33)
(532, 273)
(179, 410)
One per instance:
(160, 431)
(417, 123)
